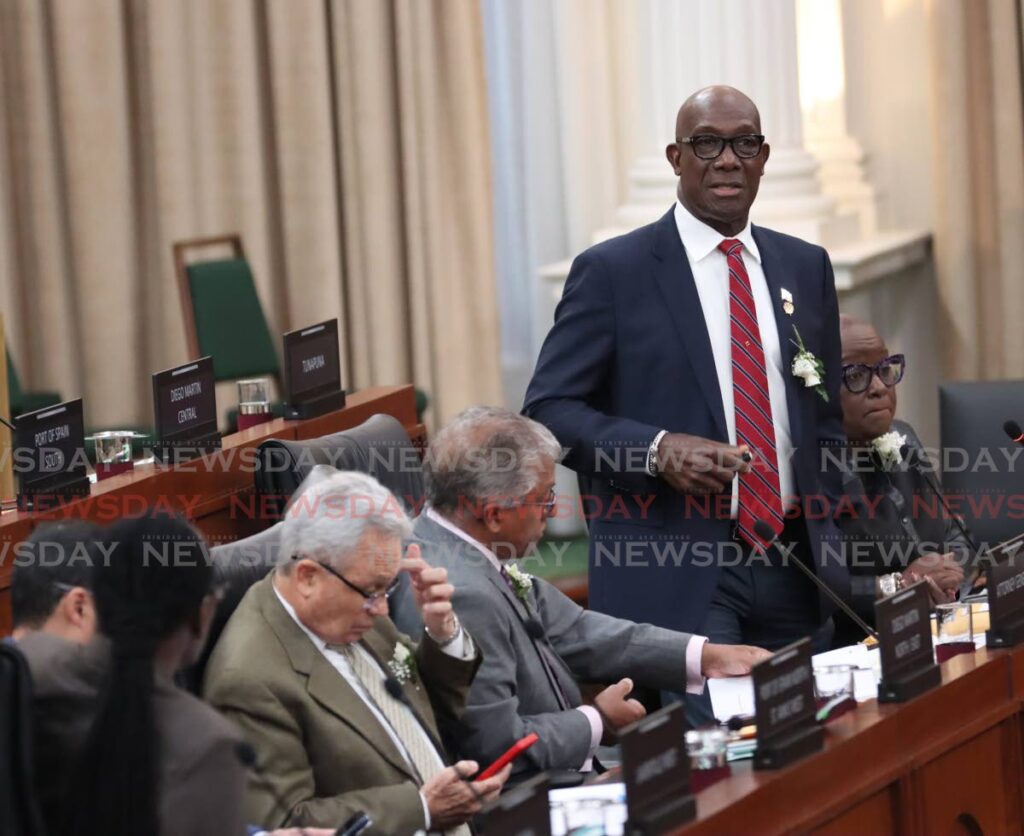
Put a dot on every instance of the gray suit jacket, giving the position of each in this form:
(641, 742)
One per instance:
(320, 748)
(202, 782)
(513, 693)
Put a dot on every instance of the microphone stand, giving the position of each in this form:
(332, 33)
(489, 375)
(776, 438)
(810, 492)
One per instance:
(766, 533)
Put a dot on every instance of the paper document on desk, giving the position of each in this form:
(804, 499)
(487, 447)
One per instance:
(735, 696)
(731, 697)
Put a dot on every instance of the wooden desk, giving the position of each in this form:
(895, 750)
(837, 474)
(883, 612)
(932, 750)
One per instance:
(947, 762)
(214, 491)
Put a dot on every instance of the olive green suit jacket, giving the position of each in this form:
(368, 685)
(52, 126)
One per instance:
(318, 745)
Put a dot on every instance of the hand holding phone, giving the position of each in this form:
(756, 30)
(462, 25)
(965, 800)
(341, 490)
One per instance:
(513, 752)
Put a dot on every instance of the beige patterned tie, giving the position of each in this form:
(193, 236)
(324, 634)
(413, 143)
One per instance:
(418, 748)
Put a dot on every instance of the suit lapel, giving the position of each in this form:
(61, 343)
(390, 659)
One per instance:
(462, 550)
(775, 274)
(550, 666)
(323, 683)
(674, 279)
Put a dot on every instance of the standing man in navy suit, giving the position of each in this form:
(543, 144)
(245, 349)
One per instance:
(692, 373)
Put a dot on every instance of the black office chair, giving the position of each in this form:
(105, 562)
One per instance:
(972, 416)
(236, 567)
(379, 446)
(19, 811)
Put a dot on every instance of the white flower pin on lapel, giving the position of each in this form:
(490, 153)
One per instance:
(787, 301)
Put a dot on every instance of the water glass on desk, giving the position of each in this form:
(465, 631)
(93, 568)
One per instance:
(707, 751)
(953, 630)
(834, 689)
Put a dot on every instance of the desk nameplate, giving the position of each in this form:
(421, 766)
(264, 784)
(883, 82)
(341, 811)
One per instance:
(1005, 584)
(312, 371)
(784, 707)
(904, 629)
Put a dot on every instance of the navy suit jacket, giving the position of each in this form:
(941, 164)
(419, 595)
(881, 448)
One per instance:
(629, 355)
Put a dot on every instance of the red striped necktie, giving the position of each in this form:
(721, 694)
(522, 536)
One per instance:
(760, 497)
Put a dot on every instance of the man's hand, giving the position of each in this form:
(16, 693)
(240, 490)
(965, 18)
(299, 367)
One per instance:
(721, 660)
(432, 592)
(453, 801)
(616, 710)
(692, 464)
(943, 574)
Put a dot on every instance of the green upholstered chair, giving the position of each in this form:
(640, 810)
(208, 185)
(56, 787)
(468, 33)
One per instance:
(22, 401)
(223, 315)
(222, 311)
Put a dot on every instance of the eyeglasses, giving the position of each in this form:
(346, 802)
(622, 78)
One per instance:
(547, 506)
(709, 146)
(371, 598)
(857, 376)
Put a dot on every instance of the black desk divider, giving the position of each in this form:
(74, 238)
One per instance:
(312, 371)
(1005, 584)
(521, 810)
(656, 771)
(49, 456)
(185, 411)
(903, 622)
(784, 707)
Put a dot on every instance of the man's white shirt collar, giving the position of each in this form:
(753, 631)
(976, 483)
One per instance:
(700, 240)
(458, 532)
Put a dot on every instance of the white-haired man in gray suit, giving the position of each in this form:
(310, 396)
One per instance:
(490, 478)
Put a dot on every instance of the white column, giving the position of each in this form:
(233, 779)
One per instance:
(823, 102)
(684, 45)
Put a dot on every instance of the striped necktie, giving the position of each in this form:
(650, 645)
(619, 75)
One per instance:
(760, 497)
(420, 752)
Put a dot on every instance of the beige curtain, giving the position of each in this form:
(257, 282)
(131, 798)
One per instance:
(979, 185)
(345, 139)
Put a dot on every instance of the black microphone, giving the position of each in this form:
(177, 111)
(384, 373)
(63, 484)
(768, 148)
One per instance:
(535, 629)
(394, 688)
(767, 533)
(1012, 429)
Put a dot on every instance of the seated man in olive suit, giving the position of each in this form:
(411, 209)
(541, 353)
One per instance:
(342, 710)
(894, 529)
(490, 484)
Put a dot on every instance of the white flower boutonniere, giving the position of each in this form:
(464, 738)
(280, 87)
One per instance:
(402, 664)
(522, 581)
(808, 367)
(889, 448)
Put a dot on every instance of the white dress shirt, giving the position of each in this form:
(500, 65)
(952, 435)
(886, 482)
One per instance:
(711, 275)
(461, 648)
(694, 648)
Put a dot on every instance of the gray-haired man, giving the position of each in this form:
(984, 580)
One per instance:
(343, 715)
(490, 482)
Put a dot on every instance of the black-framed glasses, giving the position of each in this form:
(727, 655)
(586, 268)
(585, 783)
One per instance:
(857, 376)
(370, 598)
(709, 146)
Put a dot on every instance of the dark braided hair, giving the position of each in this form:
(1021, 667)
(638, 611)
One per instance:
(153, 583)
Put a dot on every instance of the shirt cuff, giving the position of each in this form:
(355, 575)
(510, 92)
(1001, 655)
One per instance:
(652, 452)
(694, 677)
(426, 813)
(596, 733)
(462, 647)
